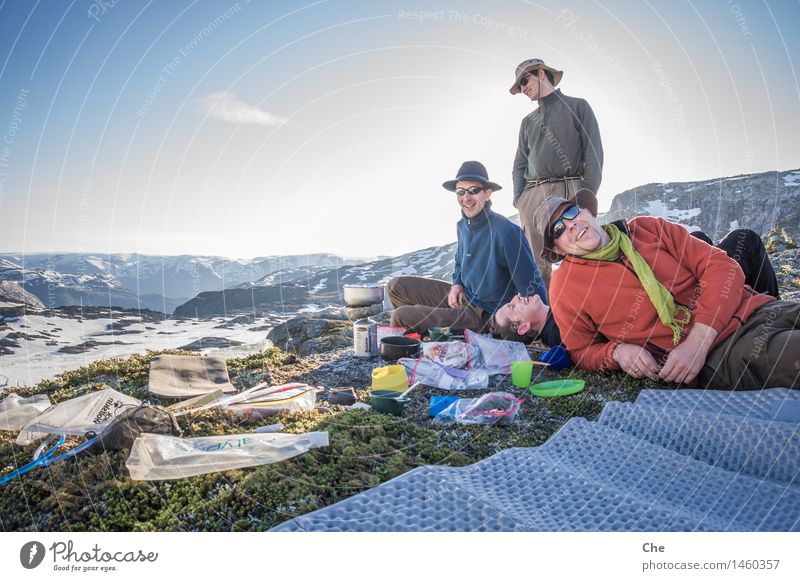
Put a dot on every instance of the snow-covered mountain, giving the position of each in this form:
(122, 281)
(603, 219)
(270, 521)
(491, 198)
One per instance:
(318, 287)
(11, 292)
(140, 281)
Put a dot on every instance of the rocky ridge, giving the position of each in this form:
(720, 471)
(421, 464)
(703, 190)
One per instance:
(767, 203)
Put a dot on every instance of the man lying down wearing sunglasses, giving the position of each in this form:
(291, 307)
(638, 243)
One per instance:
(646, 297)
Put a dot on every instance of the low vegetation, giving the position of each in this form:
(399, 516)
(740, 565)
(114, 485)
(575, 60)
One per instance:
(93, 491)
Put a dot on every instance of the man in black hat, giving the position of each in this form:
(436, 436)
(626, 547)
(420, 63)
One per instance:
(559, 149)
(493, 263)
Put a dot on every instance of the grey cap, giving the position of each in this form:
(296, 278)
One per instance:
(543, 216)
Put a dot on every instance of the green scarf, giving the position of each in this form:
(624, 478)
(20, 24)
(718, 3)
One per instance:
(657, 293)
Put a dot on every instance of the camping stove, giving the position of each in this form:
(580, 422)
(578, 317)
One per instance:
(361, 303)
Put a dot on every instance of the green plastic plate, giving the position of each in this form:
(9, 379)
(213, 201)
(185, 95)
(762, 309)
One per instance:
(558, 388)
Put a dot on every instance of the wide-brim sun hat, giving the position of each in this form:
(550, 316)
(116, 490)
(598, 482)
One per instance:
(553, 206)
(471, 171)
(530, 65)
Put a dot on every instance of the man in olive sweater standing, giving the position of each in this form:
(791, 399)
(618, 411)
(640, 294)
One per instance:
(559, 149)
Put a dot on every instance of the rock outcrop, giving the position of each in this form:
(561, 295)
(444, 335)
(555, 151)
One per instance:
(309, 335)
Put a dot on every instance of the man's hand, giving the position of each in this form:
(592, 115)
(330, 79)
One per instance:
(456, 296)
(636, 361)
(687, 359)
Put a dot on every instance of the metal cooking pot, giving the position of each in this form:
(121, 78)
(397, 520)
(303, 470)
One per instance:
(362, 295)
(393, 348)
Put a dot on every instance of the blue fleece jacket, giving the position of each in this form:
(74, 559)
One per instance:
(494, 261)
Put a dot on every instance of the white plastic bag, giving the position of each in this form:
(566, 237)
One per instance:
(264, 400)
(157, 457)
(437, 375)
(496, 354)
(16, 412)
(77, 416)
(495, 408)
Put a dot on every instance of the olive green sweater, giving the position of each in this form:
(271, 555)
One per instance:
(559, 139)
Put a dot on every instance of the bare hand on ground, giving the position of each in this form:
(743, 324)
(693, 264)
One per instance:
(686, 361)
(636, 361)
(456, 296)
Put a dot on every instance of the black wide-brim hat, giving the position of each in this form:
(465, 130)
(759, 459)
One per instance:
(472, 171)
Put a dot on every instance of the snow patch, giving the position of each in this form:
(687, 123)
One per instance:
(658, 208)
(792, 179)
(318, 287)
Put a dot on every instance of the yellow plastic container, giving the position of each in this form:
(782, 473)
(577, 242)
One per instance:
(390, 378)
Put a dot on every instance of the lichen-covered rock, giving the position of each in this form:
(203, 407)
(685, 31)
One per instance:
(323, 344)
(294, 333)
(787, 270)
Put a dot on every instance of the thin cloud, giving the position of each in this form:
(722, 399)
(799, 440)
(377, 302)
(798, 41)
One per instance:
(226, 107)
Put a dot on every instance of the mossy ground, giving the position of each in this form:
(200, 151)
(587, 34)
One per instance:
(93, 492)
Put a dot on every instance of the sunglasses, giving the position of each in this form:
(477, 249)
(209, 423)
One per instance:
(524, 82)
(474, 191)
(558, 227)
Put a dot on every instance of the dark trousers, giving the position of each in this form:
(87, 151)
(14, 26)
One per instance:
(421, 302)
(746, 248)
(763, 352)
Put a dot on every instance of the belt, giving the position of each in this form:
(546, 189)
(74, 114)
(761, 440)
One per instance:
(540, 181)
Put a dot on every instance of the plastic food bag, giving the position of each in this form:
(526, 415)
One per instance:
(495, 408)
(77, 416)
(437, 375)
(455, 354)
(157, 457)
(264, 400)
(240, 350)
(496, 354)
(16, 412)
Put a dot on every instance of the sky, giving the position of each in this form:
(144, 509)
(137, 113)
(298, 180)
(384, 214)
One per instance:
(256, 128)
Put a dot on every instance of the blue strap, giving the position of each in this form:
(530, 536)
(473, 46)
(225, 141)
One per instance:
(47, 459)
(74, 452)
(41, 460)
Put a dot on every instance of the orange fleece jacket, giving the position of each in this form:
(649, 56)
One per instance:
(599, 304)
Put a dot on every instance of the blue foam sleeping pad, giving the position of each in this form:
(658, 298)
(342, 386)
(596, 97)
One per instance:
(638, 468)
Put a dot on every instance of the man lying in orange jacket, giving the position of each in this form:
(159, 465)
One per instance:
(646, 297)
